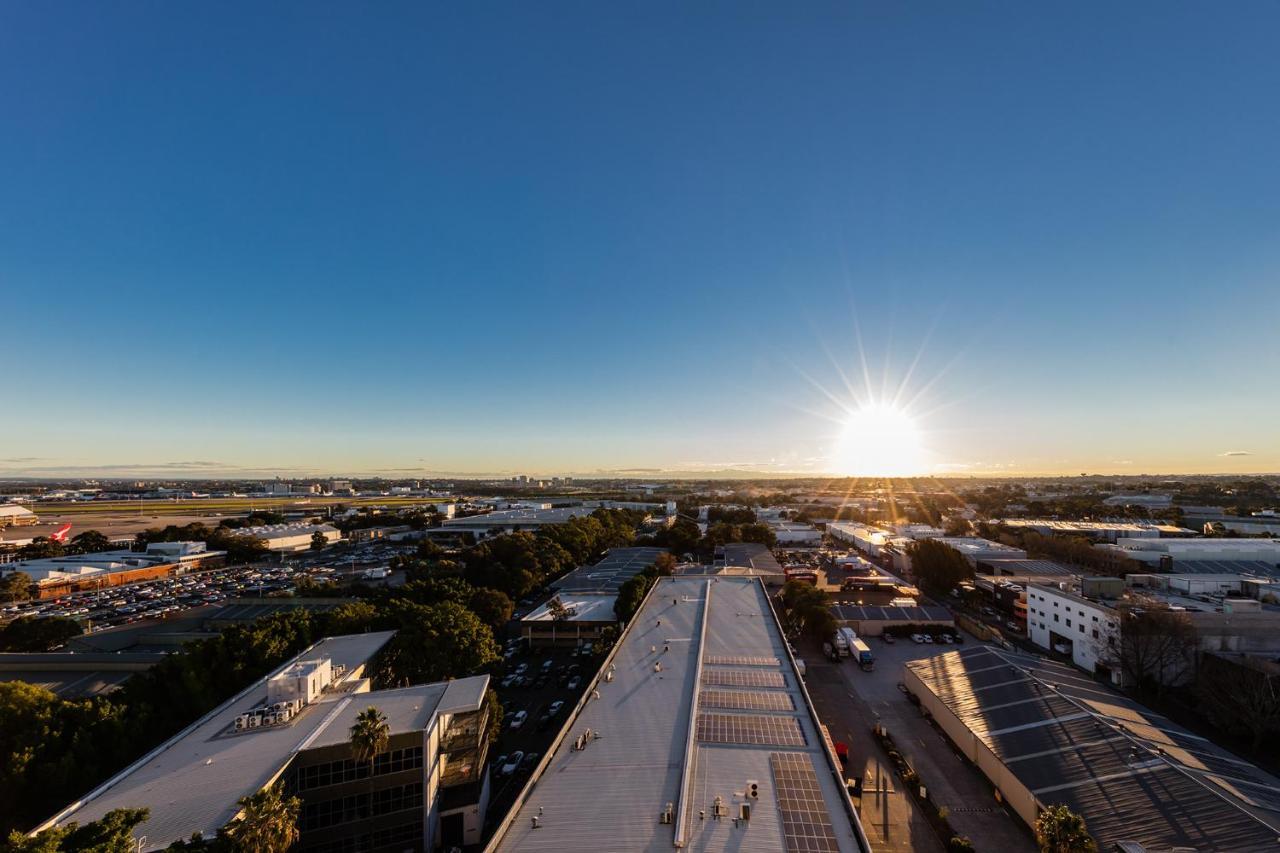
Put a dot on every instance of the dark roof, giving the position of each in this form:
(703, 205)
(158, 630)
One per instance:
(870, 613)
(749, 555)
(1133, 774)
(617, 567)
(1225, 567)
(1032, 568)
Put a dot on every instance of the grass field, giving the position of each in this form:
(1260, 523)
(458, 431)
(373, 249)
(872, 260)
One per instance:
(220, 506)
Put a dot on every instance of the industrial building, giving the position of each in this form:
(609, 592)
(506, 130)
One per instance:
(292, 727)
(1099, 531)
(12, 515)
(290, 537)
(791, 533)
(1174, 551)
(697, 734)
(1084, 620)
(54, 576)
(1044, 734)
(977, 551)
(750, 559)
(872, 621)
(512, 520)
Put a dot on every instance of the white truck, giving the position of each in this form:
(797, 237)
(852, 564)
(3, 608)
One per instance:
(843, 640)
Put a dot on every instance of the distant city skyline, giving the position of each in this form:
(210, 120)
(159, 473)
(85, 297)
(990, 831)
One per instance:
(585, 238)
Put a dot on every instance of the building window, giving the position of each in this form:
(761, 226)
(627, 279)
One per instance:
(347, 770)
(1068, 623)
(1095, 633)
(1055, 617)
(1081, 627)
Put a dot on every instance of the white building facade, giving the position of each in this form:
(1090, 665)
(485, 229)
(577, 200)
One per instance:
(1088, 631)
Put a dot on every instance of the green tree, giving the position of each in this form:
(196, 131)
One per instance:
(15, 586)
(89, 542)
(434, 643)
(268, 822)
(938, 567)
(631, 594)
(40, 548)
(369, 738)
(1060, 830)
(318, 541)
(558, 611)
(31, 634)
(354, 617)
(493, 607)
(665, 564)
(112, 833)
(806, 610)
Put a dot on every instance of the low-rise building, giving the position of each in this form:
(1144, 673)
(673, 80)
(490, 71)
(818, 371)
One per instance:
(290, 537)
(1174, 551)
(54, 576)
(583, 620)
(12, 515)
(793, 533)
(1098, 531)
(293, 728)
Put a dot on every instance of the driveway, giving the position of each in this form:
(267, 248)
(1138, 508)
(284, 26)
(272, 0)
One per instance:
(874, 697)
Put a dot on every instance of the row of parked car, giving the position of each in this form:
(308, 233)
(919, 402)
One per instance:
(158, 598)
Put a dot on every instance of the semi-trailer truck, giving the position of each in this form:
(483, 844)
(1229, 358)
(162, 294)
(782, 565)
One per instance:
(862, 652)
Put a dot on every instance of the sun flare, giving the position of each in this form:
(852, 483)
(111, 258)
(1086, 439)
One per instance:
(878, 441)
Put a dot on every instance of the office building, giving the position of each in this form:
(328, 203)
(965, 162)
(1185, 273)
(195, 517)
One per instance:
(293, 728)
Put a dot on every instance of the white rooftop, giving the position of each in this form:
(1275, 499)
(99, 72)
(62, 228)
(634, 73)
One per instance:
(192, 781)
(583, 608)
(725, 708)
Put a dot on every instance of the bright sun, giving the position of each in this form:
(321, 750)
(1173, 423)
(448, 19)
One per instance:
(878, 441)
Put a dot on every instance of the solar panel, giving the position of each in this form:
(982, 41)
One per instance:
(750, 729)
(747, 701)
(1253, 793)
(741, 660)
(743, 678)
(806, 826)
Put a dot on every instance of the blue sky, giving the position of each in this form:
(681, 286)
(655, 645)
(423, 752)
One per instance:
(571, 237)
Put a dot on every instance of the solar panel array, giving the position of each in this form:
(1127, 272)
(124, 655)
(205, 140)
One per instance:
(741, 660)
(618, 566)
(806, 826)
(747, 701)
(743, 678)
(750, 729)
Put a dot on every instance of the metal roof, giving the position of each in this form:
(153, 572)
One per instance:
(749, 555)
(1131, 773)
(617, 567)
(869, 613)
(645, 751)
(192, 781)
(583, 607)
(1261, 568)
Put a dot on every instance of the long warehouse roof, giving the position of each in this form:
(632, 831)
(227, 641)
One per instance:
(1133, 774)
(699, 700)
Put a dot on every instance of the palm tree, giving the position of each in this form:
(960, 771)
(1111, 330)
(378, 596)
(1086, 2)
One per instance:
(1060, 830)
(267, 824)
(370, 736)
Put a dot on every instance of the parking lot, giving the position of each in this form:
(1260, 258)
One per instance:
(164, 598)
(850, 701)
(550, 678)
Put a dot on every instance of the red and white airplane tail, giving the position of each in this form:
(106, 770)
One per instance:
(60, 535)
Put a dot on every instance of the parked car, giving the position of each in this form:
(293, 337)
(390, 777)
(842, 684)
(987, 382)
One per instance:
(917, 638)
(531, 760)
(555, 707)
(513, 763)
(498, 763)
(522, 669)
(518, 719)
(574, 682)
(889, 638)
(928, 638)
